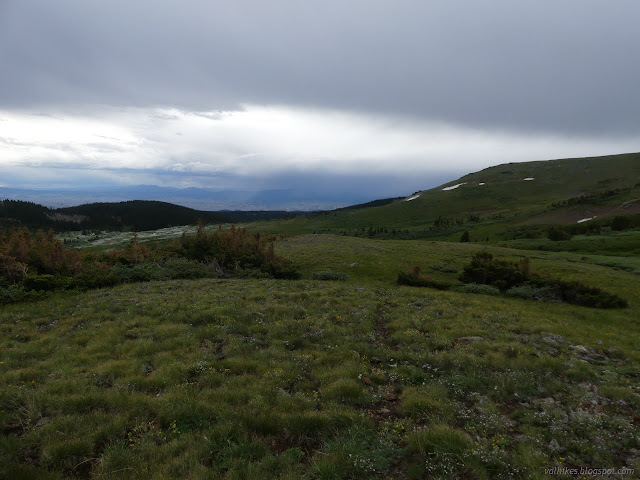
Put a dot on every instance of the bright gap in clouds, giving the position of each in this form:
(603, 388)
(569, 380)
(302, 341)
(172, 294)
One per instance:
(188, 148)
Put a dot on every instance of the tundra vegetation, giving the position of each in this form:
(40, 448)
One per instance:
(341, 373)
(383, 348)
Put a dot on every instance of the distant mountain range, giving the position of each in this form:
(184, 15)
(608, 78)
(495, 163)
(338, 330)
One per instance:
(203, 199)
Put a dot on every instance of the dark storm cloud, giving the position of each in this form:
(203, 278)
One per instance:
(568, 66)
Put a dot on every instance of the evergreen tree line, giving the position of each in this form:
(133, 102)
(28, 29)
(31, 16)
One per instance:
(134, 215)
(590, 199)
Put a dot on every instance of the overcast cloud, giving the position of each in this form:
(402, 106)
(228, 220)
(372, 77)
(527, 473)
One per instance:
(206, 89)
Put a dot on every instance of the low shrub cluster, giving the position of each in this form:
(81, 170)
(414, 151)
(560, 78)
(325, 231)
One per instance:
(485, 269)
(517, 279)
(580, 294)
(32, 263)
(17, 293)
(625, 222)
(235, 250)
(557, 234)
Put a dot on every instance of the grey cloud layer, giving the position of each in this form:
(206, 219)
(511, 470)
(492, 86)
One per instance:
(569, 67)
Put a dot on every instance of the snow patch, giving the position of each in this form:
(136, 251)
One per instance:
(482, 183)
(586, 219)
(411, 198)
(453, 187)
(529, 178)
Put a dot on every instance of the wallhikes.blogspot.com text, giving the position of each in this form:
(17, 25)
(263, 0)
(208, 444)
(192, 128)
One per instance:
(592, 472)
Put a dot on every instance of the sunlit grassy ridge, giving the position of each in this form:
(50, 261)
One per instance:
(309, 379)
(491, 201)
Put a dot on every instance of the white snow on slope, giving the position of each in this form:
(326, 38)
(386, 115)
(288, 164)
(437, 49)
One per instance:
(529, 178)
(586, 219)
(482, 183)
(453, 187)
(411, 198)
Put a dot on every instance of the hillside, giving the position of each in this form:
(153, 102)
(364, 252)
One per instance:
(494, 200)
(136, 215)
(195, 360)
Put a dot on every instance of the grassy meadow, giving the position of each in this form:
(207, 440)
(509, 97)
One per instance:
(325, 379)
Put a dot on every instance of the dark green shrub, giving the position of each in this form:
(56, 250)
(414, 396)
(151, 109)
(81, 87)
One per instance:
(485, 269)
(465, 236)
(99, 276)
(284, 270)
(557, 234)
(620, 223)
(548, 293)
(17, 293)
(580, 294)
(517, 279)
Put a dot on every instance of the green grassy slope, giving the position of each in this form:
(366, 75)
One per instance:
(260, 379)
(504, 200)
(379, 261)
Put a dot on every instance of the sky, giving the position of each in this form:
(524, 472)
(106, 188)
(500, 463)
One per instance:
(380, 97)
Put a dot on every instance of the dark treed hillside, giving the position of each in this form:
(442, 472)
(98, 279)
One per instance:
(134, 215)
(32, 215)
